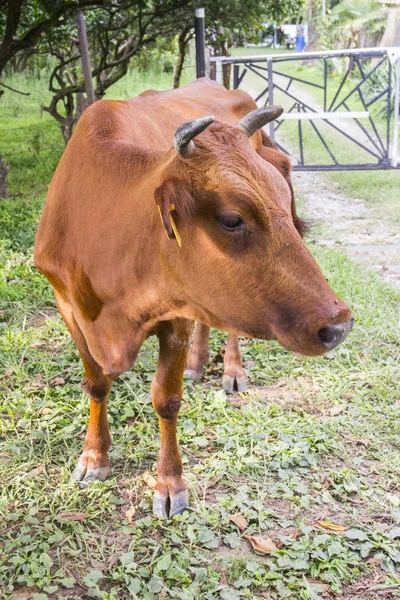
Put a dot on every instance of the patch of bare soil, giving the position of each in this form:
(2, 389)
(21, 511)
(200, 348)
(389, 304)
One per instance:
(41, 317)
(350, 225)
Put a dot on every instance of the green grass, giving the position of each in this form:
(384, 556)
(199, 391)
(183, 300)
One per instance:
(277, 455)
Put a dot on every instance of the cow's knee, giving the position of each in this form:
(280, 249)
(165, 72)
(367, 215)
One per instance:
(167, 407)
(97, 387)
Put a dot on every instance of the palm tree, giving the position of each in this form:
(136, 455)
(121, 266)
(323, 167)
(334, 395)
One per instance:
(356, 21)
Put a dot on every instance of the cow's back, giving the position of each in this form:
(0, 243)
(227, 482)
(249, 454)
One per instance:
(102, 190)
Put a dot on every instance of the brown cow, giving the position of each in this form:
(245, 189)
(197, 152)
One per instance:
(139, 237)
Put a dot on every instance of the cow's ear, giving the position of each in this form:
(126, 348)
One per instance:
(173, 199)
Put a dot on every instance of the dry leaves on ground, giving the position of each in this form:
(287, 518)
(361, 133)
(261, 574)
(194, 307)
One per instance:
(74, 516)
(332, 527)
(355, 440)
(264, 545)
(39, 470)
(130, 513)
(336, 410)
(56, 381)
(150, 480)
(239, 520)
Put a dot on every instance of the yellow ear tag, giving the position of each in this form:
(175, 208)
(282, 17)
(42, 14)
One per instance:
(173, 225)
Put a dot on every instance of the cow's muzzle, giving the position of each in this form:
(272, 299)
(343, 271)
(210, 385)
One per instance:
(332, 335)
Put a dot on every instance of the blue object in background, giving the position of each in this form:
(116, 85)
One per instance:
(300, 43)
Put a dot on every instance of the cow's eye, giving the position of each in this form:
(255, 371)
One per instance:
(230, 222)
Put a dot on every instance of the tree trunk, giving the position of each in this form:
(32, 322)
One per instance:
(4, 168)
(226, 76)
(391, 36)
(183, 41)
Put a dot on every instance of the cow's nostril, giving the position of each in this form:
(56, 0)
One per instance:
(331, 335)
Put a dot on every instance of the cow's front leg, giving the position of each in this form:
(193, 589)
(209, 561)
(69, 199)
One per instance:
(171, 495)
(233, 377)
(93, 463)
(199, 353)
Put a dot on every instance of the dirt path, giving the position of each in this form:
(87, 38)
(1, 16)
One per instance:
(349, 224)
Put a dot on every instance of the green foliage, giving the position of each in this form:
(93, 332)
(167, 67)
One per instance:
(351, 23)
(375, 85)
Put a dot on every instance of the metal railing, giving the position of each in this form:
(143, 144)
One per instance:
(372, 137)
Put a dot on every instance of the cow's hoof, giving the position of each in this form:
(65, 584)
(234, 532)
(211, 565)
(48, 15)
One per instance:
(193, 375)
(234, 383)
(165, 506)
(87, 471)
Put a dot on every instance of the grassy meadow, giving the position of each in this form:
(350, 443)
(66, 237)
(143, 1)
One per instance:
(294, 484)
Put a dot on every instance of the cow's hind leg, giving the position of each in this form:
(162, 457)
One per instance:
(233, 377)
(199, 353)
(93, 463)
(171, 496)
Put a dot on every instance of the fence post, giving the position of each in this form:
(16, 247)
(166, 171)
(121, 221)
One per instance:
(218, 71)
(396, 123)
(235, 76)
(200, 42)
(271, 96)
(83, 46)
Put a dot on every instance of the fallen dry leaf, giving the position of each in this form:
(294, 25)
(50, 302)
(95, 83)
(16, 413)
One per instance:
(39, 470)
(45, 410)
(130, 513)
(336, 410)
(150, 480)
(37, 383)
(56, 381)
(239, 520)
(13, 504)
(332, 526)
(264, 545)
(354, 501)
(37, 344)
(73, 516)
(361, 441)
(97, 564)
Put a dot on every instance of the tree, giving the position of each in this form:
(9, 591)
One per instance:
(116, 32)
(352, 24)
(24, 22)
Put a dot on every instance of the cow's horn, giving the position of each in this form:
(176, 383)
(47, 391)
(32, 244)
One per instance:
(185, 133)
(258, 118)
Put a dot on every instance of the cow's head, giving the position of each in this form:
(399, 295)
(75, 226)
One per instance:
(243, 264)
